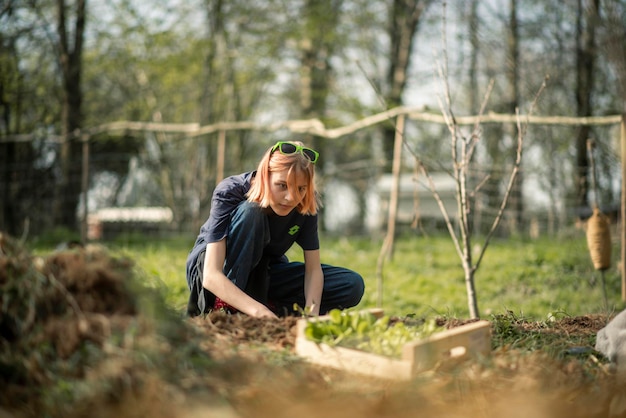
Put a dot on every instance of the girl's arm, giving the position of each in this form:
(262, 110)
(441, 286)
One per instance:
(313, 280)
(217, 283)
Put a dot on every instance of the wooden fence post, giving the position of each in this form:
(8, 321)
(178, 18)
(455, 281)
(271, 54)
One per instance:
(85, 188)
(221, 155)
(386, 251)
(623, 208)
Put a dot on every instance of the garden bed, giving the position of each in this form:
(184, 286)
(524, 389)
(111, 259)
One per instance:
(469, 340)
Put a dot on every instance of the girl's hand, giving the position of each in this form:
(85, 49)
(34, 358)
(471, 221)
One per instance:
(264, 312)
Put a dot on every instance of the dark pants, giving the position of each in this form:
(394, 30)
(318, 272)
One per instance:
(343, 288)
(279, 283)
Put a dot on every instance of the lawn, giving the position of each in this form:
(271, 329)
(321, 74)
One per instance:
(534, 279)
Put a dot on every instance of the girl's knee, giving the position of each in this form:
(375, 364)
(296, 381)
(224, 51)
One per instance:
(358, 288)
(354, 290)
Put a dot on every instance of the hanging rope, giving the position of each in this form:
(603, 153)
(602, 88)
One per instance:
(598, 231)
(598, 225)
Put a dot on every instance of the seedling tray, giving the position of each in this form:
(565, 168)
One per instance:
(470, 340)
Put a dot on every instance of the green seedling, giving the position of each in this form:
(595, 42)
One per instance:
(364, 331)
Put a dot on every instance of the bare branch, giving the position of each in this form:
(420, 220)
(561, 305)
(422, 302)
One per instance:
(477, 126)
(521, 134)
(442, 208)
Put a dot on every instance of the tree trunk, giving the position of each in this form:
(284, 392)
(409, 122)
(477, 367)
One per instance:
(7, 220)
(317, 48)
(473, 29)
(517, 200)
(585, 59)
(474, 101)
(213, 99)
(16, 159)
(470, 287)
(70, 57)
(7, 223)
(403, 25)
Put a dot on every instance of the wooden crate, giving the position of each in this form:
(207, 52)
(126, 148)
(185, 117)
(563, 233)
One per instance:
(417, 356)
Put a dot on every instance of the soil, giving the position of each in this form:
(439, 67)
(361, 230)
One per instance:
(79, 336)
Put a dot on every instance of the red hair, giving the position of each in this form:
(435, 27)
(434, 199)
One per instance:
(293, 164)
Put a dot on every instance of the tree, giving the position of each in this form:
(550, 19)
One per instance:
(253, 61)
(473, 24)
(502, 67)
(9, 78)
(317, 45)
(462, 148)
(27, 102)
(70, 50)
(614, 42)
(512, 75)
(586, 21)
(404, 20)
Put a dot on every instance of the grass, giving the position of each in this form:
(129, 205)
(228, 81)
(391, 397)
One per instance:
(532, 278)
(535, 279)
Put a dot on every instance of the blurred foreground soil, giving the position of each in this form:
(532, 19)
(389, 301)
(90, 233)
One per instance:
(81, 336)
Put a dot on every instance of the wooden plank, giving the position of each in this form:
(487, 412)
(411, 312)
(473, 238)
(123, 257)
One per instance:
(353, 361)
(466, 340)
(623, 207)
(346, 359)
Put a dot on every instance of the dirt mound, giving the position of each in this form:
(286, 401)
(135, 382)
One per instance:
(68, 297)
(80, 335)
(51, 309)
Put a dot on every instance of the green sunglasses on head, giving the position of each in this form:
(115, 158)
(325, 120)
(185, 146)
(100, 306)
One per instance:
(291, 148)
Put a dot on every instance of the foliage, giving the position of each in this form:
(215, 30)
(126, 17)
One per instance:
(365, 331)
(55, 237)
(189, 62)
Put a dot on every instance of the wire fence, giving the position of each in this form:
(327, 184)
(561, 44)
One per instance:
(151, 178)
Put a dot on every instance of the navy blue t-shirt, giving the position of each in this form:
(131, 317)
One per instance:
(284, 230)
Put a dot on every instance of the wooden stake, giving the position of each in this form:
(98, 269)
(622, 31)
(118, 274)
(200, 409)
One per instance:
(85, 188)
(221, 155)
(623, 209)
(386, 251)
